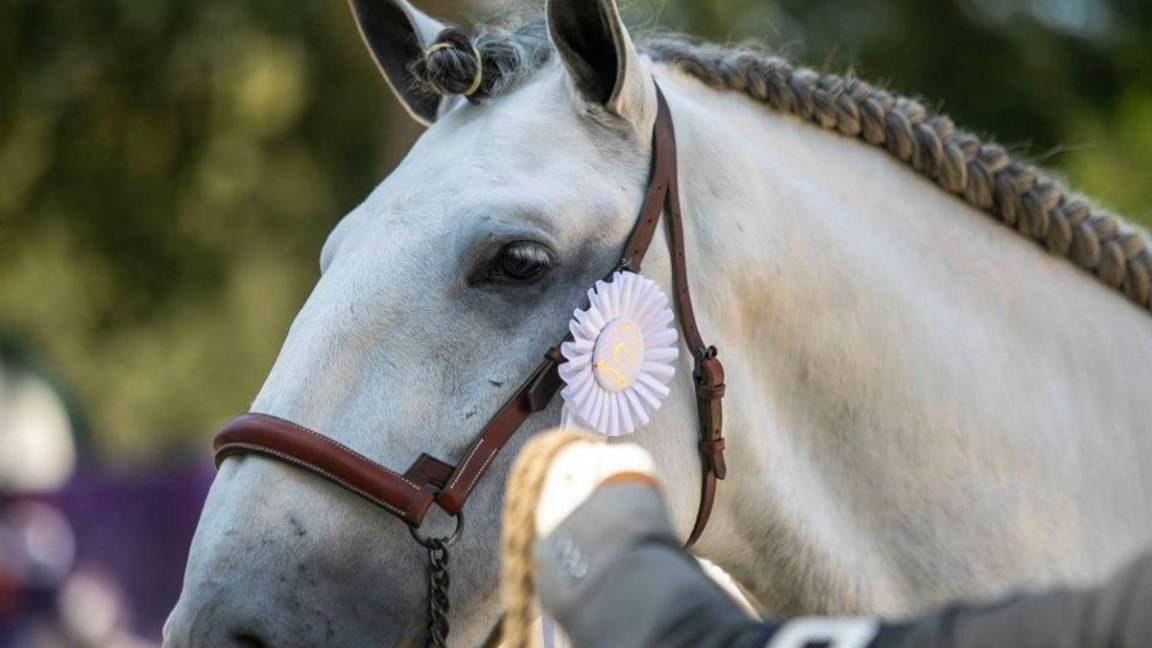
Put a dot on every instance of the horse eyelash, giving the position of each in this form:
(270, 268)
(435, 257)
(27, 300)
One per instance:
(523, 251)
(528, 251)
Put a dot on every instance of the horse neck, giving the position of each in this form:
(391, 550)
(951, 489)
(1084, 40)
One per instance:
(851, 299)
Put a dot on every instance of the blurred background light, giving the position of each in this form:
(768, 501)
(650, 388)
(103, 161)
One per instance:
(35, 433)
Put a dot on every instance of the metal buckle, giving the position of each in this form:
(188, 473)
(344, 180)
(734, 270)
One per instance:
(707, 353)
(436, 543)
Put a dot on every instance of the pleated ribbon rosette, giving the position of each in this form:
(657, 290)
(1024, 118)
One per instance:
(621, 356)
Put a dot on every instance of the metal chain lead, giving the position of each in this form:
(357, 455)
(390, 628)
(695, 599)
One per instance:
(438, 603)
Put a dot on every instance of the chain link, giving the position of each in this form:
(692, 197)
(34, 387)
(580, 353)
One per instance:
(438, 603)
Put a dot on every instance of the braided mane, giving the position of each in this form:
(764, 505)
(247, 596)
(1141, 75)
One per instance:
(982, 173)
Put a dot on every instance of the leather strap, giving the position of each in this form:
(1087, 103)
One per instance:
(533, 396)
(428, 480)
(708, 373)
(284, 440)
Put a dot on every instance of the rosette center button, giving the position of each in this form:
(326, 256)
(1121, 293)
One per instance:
(618, 354)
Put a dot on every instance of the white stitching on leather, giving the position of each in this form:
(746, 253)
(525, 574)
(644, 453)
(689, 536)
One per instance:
(350, 451)
(259, 449)
(467, 460)
(483, 467)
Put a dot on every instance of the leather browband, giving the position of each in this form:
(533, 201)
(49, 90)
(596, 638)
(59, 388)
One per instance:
(429, 480)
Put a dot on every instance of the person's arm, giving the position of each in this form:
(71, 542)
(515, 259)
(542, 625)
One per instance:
(614, 574)
(1117, 614)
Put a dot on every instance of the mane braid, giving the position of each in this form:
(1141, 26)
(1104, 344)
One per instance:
(1016, 193)
(982, 173)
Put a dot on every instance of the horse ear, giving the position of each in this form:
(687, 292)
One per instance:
(396, 34)
(600, 57)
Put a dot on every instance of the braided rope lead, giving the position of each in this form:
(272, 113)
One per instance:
(983, 174)
(438, 602)
(521, 496)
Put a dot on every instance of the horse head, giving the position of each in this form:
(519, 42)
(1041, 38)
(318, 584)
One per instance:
(436, 298)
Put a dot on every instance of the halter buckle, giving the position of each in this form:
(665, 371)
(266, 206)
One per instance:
(705, 353)
(432, 543)
(709, 378)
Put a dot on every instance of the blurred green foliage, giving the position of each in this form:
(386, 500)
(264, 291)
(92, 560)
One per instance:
(169, 168)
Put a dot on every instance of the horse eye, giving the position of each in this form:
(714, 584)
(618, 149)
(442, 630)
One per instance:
(519, 263)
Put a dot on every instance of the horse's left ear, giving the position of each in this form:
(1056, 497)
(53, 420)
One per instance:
(600, 57)
(396, 34)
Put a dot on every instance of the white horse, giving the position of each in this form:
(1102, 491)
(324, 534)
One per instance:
(922, 403)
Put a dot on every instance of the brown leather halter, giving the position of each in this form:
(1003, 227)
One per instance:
(430, 480)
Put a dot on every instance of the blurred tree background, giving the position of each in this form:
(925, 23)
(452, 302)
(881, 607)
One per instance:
(170, 168)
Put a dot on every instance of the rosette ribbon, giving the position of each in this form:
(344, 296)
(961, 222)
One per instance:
(621, 356)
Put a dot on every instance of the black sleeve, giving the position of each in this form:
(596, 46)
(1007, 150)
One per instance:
(613, 574)
(1115, 615)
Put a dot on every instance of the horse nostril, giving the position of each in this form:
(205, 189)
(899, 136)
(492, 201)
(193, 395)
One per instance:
(248, 640)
